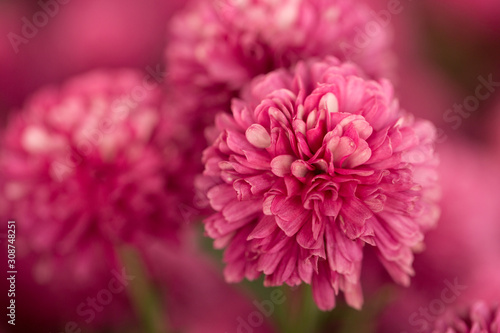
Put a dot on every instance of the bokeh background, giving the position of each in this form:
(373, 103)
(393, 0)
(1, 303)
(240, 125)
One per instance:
(442, 50)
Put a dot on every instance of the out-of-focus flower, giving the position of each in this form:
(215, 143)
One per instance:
(215, 47)
(312, 165)
(79, 36)
(480, 318)
(87, 166)
(66, 299)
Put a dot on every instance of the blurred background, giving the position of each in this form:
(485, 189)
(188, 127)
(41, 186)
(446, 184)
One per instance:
(445, 50)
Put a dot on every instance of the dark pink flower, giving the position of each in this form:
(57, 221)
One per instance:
(90, 165)
(313, 164)
(216, 47)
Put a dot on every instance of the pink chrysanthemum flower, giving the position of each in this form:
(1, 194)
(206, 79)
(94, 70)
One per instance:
(480, 318)
(87, 166)
(312, 165)
(215, 47)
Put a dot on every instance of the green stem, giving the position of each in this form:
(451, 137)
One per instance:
(301, 314)
(309, 315)
(351, 320)
(142, 294)
(281, 315)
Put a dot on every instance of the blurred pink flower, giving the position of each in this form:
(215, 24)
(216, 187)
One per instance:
(80, 36)
(216, 47)
(480, 318)
(312, 165)
(51, 305)
(89, 165)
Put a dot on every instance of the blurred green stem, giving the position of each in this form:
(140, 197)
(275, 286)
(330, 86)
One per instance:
(309, 315)
(142, 294)
(302, 313)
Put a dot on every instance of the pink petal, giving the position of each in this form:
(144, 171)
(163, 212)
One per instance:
(258, 136)
(264, 228)
(300, 168)
(280, 165)
(305, 237)
(260, 183)
(290, 215)
(242, 189)
(353, 216)
(354, 295)
(237, 210)
(359, 157)
(237, 142)
(323, 292)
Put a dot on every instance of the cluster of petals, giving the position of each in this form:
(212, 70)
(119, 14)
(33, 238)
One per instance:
(480, 318)
(216, 47)
(313, 163)
(88, 164)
